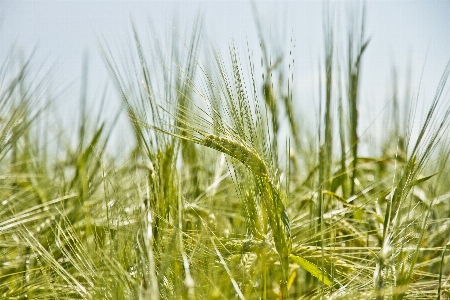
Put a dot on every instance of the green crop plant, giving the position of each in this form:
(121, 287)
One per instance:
(225, 194)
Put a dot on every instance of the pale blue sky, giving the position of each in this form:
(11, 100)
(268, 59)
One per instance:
(402, 32)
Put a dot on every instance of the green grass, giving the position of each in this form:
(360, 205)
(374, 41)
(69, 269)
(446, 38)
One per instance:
(217, 200)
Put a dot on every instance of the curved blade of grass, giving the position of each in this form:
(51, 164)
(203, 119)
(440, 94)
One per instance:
(312, 269)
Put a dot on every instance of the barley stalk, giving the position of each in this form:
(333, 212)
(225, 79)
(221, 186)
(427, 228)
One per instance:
(273, 205)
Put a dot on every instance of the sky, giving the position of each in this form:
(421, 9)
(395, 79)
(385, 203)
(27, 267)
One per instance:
(407, 35)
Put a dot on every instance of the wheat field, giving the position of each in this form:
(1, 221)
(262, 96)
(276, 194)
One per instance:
(226, 193)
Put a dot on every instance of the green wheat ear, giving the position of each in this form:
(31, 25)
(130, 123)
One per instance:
(273, 206)
(238, 151)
